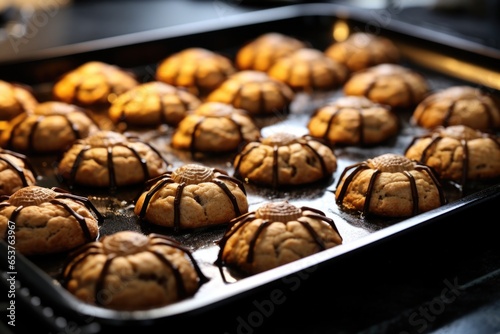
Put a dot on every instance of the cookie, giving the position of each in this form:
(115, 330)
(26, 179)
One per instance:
(110, 159)
(215, 127)
(255, 92)
(129, 271)
(262, 52)
(354, 120)
(391, 84)
(389, 185)
(47, 221)
(458, 153)
(309, 70)
(16, 172)
(275, 234)
(15, 99)
(458, 105)
(152, 104)
(362, 50)
(93, 84)
(191, 196)
(283, 159)
(198, 70)
(50, 128)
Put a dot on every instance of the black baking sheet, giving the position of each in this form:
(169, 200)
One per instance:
(310, 23)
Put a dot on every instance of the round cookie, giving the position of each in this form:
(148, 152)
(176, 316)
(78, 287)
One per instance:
(255, 92)
(391, 84)
(16, 172)
(129, 271)
(261, 53)
(110, 159)
(283, 159)
(50, 128)
(15, 99)
(47, 221)
(458, 153)
(198, 70)
(309, 70)
(152, 104)
(93, 84)
(215, 127)
(362, 50)
(458, 105)
(192, 196)
(275, 234)
(354, 120)
(389, 185)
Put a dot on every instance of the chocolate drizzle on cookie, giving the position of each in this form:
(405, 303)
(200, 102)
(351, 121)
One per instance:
(20, 171)
(267, 215)
(36, 196)
(121, 245)
(190, 174)
(110, 140)
(275, 142)
(463, 136)
(387, 163)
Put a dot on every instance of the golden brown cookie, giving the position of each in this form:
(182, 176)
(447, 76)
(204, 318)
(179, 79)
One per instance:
(215, 127)
(255, 92)
(354, 120)
(15, 99)
(458, 153)
(93, 84)
(110, 159)
(198, 70)
(275, 234)
(309, 70)
(390, 84)
(283, 159)
(51, 128)
(389, 185)
(16, 172)
(46, 221)
(261, 53)
(192, 196)
(152, 104)
(458, 105)
(130, 271)
(362, 50)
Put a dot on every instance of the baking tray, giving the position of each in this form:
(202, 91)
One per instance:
(425, 52)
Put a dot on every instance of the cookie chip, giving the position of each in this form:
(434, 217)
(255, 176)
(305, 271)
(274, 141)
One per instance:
(354, 120)
(458, 105)
(215, 127)
(309, 70)
(192, 196)
(390, 84)
(15, 99)
(48, 221)
(283, 159)
(129, 271)
(152, 104)
(255, 92)
(362, 50)
(110, 159)
(16, 172)
(51, 128)
(458, 153)
(198, 70)
(275, 234)
(389, 185)
(261, 53)
(93, 84)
